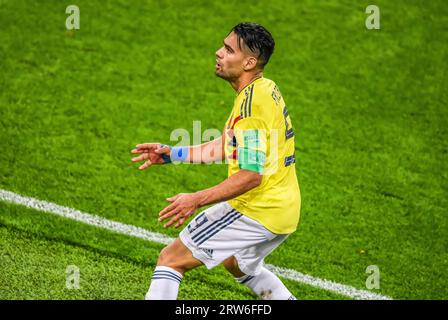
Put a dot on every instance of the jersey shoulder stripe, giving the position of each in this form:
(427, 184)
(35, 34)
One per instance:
(246, 105)
(250, 100)
(242, 108)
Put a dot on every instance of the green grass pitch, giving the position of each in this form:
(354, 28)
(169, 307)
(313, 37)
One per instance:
(368, 108)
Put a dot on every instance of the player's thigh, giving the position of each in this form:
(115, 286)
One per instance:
(250, 260)
(221, 231)
(177, 256)
(231, 265)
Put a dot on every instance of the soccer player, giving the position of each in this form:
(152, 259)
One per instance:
(258, 205)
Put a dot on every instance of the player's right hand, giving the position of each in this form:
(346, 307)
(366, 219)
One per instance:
(151, 153)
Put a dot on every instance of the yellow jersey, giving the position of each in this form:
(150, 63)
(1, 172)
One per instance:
(259, 137)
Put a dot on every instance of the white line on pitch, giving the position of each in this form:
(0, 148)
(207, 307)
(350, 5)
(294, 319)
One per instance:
(160, 238)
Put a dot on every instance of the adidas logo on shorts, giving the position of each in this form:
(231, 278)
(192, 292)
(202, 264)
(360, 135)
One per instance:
(208, 252)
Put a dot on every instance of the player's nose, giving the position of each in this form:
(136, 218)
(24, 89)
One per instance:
(218, 53)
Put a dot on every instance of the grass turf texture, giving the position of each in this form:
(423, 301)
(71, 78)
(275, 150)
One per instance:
(368, 108)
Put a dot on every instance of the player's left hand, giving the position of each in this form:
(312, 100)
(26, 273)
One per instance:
(182, 206)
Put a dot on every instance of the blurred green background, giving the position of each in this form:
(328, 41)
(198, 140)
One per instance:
(368, 108)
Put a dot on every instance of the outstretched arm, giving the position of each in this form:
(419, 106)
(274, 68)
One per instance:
(154, 153)
(208, 152)
(183, 205)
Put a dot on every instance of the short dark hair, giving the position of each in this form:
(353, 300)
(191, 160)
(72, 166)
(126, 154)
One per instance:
(257, 39)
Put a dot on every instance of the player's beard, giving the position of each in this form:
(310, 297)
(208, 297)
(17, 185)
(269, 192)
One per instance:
(224, 75)
(219, 73)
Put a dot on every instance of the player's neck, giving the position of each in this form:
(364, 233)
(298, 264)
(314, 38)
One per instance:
(243, 81)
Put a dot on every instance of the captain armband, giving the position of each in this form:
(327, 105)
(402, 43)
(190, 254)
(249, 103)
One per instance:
(252, 160)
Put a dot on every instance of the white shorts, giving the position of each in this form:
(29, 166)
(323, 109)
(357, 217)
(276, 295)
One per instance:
(220, 232)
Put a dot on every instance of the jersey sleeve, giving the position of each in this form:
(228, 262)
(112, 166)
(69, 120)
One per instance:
(251, 140)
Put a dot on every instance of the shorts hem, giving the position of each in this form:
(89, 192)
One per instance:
(196, 253)
(243, 267)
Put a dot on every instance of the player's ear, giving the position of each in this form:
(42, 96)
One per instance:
(250, 63)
